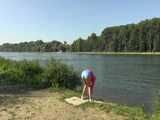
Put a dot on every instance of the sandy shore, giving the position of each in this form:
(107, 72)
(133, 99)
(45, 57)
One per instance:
(45, 105)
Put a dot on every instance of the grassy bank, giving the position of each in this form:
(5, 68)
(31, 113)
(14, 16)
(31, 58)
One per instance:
(49, 104)
(156, 115)
(32, 74)
(128, 113)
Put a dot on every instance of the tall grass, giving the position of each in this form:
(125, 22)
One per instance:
(31, 73)
(156, 115)
(61, 75)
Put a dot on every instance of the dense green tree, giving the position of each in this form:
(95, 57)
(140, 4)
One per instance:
(78, 45)
(34, 46)
(141, 37)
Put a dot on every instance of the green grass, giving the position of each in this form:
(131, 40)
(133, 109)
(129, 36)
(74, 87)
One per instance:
(60, 75)
(31, 73)
(156, 115)
(132, 113)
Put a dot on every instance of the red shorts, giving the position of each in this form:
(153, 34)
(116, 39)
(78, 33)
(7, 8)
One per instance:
(90, 83)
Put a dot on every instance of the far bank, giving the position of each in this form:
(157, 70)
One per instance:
(119, 53)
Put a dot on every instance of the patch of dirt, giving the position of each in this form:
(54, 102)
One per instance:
(45, 105)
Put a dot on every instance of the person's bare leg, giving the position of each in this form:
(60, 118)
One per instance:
(92, 93)
(84, 88)
(89, 93)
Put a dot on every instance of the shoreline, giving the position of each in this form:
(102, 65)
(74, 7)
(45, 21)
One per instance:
(91, 53)
(119, 53)
(50, 104)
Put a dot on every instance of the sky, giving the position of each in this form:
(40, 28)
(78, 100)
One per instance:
(67, 20)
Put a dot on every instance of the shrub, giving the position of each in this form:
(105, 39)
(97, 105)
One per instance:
(31, 73)
(23, 72)
(61, 75)
(156, 115)
(8, 72)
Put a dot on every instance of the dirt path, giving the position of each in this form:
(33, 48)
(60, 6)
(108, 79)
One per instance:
(44, 105)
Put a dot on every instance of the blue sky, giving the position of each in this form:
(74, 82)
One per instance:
(67, 20)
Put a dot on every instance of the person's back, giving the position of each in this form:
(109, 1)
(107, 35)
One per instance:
(89, 80)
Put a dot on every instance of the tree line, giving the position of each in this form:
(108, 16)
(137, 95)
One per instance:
(35, 46)
(141, 37)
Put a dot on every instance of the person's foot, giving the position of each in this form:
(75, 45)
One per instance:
(82, 98)
(90, 100)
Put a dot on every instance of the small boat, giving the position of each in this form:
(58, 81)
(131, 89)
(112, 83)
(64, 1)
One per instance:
(60, 51)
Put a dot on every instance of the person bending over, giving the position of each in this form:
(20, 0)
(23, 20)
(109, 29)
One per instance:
(88, 79)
